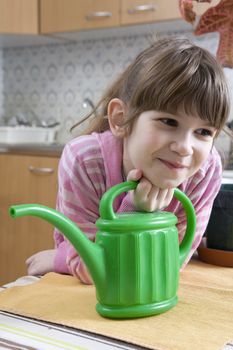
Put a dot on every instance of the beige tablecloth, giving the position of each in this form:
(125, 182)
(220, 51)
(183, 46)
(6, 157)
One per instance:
(202, 319)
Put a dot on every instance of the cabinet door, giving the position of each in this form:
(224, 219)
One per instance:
(24, 179)
(19, 16)
(71, 15)
(142, 11)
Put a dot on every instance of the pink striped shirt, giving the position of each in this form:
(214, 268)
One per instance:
(92, 164)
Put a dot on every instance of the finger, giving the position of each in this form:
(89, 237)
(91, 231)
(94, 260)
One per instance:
(134, 175)
(154, 193)
(143, 190)
(155, 198)
(162, 195)
(170, 195)
(165, 197)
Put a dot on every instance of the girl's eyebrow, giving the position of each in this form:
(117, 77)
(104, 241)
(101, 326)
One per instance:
(209, 125)
(168, 115)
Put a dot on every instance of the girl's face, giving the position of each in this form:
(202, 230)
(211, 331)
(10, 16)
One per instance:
(167, 148)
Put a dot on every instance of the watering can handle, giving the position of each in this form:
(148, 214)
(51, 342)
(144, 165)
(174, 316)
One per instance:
(106, 203)
(107, 212)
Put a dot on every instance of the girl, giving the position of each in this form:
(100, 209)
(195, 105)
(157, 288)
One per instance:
(157, 125)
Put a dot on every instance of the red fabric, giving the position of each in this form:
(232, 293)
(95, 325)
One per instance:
(217, 18)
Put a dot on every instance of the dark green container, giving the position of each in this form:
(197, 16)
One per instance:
(219, 232)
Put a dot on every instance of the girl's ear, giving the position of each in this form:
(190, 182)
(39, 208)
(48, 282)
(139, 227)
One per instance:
(116, 117)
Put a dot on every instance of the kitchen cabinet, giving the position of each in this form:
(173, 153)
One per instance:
(54, 16)
(72, 15)
(44, 22)
(24, 179)
(142, 11)
(18, 16)
(57, 16)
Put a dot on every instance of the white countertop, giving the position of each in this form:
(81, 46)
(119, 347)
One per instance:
(32, 148)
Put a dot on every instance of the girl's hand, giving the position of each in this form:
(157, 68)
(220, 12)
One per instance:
(148, 197)
(41, 263)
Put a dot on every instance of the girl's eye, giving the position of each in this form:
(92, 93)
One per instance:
(205, 132)
(169, 121)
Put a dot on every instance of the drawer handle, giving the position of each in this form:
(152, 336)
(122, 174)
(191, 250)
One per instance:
(98, 14)
(142, 8)
(35, 170)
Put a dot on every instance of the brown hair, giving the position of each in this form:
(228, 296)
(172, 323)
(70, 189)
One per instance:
(169, 75)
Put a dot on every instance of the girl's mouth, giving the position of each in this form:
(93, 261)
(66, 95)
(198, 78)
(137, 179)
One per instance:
(173, 165)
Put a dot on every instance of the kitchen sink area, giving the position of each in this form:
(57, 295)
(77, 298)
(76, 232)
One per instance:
(26, 134)
(26, 139)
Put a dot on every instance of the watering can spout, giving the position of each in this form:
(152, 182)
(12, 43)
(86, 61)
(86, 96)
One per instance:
(91, 253)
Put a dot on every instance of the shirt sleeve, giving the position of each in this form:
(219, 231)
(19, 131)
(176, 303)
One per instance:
(81, 185)
(201, 190)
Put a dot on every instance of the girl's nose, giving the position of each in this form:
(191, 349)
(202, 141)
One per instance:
(182, 146)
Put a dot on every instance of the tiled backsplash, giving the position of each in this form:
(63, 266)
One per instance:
(52, 81)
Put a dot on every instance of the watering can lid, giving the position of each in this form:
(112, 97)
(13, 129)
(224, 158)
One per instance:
(137, 221)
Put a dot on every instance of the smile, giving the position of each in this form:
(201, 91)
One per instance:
(173, 165)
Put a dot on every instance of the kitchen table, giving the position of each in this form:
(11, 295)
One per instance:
(18, 331)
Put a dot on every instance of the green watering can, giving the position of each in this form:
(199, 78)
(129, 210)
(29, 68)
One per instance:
(136, 258)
